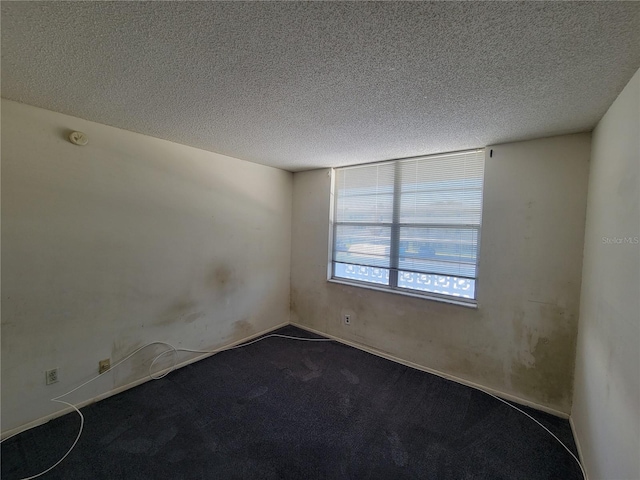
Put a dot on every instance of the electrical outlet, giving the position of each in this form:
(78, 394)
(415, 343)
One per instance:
(346, 319)
(51, 376)
(104, 365)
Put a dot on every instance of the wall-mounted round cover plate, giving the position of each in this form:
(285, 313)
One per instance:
(78, 138)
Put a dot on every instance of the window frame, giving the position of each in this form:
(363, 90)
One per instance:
(394, 250)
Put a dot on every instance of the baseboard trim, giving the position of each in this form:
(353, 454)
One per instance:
(576, 439)
(388, 356)
(115, 391)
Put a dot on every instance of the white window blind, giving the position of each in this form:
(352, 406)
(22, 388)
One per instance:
(411, 224)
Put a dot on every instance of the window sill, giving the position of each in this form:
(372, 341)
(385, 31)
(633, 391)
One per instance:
(398, 291)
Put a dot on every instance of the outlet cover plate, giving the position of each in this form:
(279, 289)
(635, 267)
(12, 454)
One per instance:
(104, 365)
(51, 376)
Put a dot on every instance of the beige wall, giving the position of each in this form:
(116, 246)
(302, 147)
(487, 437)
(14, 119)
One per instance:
(606, 402)
(127, 240)
(521, 339)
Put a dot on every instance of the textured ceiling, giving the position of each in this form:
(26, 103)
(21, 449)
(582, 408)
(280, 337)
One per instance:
(302, 85)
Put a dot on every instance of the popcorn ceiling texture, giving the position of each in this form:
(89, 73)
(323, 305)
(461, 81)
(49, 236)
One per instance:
(306, 85)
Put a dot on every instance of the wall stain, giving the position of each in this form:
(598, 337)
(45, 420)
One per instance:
(120, 348)
(221, 276)
(292, 301)
(183, 310)
(313, 311)
(135, 368)
(466, 363)
(223, 279)
(548, 372)
(192, 317)
(242, 329)
(138, 366)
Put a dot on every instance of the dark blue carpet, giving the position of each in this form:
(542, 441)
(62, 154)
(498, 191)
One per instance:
(297, 410)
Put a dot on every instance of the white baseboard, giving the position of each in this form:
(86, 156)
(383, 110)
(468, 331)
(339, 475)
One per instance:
(576, 439)
(115, 391)
(388, 356)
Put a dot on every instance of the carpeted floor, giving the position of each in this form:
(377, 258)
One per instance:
(297, 410)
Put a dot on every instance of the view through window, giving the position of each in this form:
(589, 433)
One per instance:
(411, 224)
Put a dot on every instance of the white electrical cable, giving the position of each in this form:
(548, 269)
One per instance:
(584, 474)
(175, 351)
(171, 349)
(68, 451)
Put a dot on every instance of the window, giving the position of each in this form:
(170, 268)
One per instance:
(411, 225)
